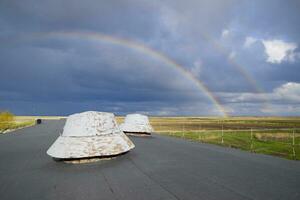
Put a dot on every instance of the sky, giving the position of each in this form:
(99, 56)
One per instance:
(158, 57)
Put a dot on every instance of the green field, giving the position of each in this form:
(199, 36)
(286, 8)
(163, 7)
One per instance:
(279, 136)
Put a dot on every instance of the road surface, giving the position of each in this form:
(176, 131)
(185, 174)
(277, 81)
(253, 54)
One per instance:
(158, 168)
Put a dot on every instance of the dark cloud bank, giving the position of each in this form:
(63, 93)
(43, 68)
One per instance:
(217, 41)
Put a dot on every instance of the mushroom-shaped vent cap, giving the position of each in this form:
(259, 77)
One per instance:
(90, 123)
(136, 123)
(90, 134)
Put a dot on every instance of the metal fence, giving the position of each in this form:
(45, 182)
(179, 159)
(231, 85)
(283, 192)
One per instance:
(283, 142)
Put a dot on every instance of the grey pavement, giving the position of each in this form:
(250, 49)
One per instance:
(158, 168)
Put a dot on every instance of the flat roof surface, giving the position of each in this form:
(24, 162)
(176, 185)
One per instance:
(159, 167)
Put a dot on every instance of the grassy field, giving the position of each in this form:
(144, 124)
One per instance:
(23, 121)
(279, 136)
(15, 124)
(24, 118)
(6, 126)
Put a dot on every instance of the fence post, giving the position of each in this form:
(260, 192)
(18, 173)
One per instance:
(222, 134)
(293, 144)
(251, 140)
(183, 130)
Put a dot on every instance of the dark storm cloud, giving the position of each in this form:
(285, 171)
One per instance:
(40, 74)
(105, 16)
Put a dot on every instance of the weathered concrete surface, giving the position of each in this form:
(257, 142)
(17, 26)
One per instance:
(158, 168)
(90, 134)
(136, 124)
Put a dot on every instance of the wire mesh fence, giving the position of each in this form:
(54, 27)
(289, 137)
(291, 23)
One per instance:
(283, 142)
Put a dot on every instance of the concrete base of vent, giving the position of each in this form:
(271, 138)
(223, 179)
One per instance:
(140, 134)
(88, 159)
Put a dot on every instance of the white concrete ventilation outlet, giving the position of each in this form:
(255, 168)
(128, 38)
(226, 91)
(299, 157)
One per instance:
(136, 124)
(90, 134)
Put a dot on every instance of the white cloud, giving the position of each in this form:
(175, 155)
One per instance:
(232, 55)
(169, 19)
(225, 33)
(278, 51)
(196, 69)
(249, 41)
(282, 109)
(284, 100)
(288, 92)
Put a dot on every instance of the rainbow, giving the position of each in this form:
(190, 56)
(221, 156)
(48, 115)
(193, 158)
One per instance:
(240, 68)
(146, 51)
